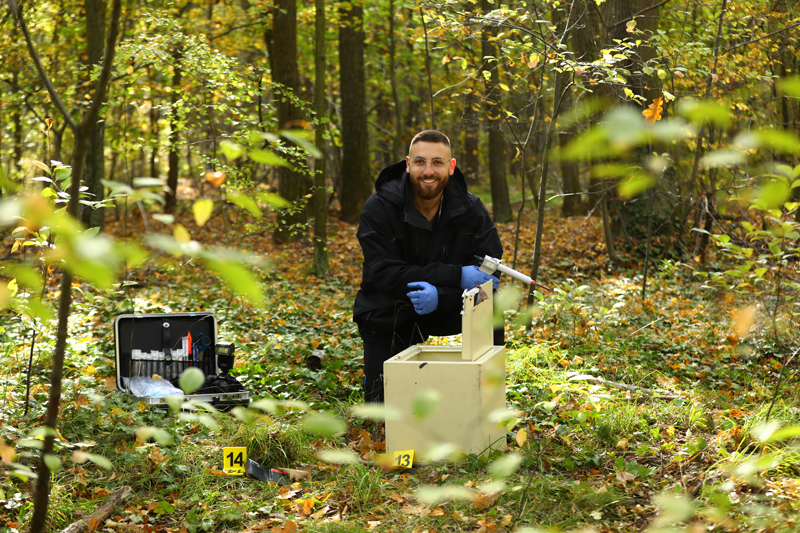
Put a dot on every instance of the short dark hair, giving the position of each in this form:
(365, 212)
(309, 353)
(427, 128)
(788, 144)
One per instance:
(430, 136)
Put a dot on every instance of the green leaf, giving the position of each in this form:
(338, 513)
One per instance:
(240, 279)
(634, 185)
(148, 182)
(231, 150)
(26, 276)
(723, 158)
(100, 461)
(266, 404)
(41, 165)
(267, 158)
(789, 432)
(163, 218)
(780, 140)
(191, 380)
(503, 86)
(163, 507)
(202, 210)
(700, 111)
(272, 199)
(324, 424)
(342, 457)
(245, 202)
(145, 433)
(53, 462)
(117, 188)
(764, 432)
(674, 509)
(375, 411)
(790, 86)
(425, 403)
(303, 139)
(244, 415)
(773, 194)
(505, 466)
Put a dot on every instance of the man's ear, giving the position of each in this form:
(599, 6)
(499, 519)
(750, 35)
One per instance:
(408, 168)
(452, 166)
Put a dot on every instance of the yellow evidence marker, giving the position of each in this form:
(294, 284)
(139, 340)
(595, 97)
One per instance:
(234, 460)
(403, 459)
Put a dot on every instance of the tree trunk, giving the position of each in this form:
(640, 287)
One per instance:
(356, 180)
(398, 144)
(320, 203)
(171, 195)
(292, 185)
(501, 206)
(81, 132)
(94, 173)
(470, 157)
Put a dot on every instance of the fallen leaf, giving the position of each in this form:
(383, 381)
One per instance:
(625, 477)
(416, 510)
(622, 443)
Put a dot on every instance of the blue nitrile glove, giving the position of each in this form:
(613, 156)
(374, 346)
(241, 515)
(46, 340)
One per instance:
(425, 297)
(471, 276)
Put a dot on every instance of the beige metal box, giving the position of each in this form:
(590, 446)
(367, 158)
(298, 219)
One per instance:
(469, 379)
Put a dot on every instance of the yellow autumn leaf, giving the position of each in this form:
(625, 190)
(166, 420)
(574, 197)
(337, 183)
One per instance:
(181, 234)
(142, 406)
(90, 370)
(202, 210)
(653, 112)
(522, 436)
(216, 178)
(743, 320)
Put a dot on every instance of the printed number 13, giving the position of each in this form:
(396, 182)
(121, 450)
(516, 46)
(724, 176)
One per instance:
(404, 460)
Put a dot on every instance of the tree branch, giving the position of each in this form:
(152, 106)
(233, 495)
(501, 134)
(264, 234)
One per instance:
(642, 12)
(760, 38)
(17, 11)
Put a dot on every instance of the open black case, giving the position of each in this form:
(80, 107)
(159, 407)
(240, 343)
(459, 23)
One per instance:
(150, 357)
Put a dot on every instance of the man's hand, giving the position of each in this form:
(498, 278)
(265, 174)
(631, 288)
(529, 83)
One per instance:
(471, 276)
(425, 297)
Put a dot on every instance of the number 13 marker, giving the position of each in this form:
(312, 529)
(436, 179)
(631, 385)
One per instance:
(403, 459)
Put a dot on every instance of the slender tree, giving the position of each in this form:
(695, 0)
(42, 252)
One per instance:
(95, 157)
(356, 178)
(82, 132)
(501, 205)
(292, 185)
(320, 203)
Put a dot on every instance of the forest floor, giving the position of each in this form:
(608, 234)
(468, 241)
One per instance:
(629, 412)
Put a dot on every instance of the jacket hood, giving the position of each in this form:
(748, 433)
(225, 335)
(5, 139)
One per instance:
(391, 184)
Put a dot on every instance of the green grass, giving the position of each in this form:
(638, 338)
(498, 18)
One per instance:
(591, 455)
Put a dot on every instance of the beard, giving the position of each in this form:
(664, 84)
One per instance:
(429, 191)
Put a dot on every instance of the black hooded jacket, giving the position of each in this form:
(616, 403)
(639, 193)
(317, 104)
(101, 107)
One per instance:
(401, 246)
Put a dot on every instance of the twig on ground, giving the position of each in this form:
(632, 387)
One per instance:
(99, 517)
(624, 386)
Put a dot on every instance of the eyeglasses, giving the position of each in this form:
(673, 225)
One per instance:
(437, 163)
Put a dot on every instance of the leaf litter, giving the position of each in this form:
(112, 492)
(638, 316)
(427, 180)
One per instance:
(677, 340)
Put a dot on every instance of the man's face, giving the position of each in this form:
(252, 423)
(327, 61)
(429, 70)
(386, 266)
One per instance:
(430, 166)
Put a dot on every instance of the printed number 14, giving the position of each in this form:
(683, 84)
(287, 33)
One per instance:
(237, 459)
